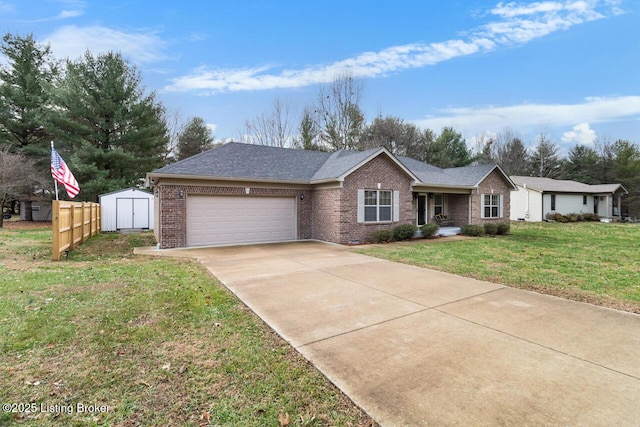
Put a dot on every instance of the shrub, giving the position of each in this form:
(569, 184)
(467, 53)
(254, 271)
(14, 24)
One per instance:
(490, 228)
(591, 217)
(572, 217)
(504, 228)
(404, 231)
(382, 236)
(472, 230)
(429, 230)
(555, 216)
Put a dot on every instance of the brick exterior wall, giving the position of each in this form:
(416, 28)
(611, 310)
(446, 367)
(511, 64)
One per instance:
(328, 214)
(343, 226)
(496, 182)
(458, 209)
(172, 227)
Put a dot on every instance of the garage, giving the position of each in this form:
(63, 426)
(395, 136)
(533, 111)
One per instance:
(228, 220)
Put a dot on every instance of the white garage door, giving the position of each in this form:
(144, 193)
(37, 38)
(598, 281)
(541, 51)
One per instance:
(225, 220)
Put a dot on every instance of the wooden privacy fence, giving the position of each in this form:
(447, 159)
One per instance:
(72, 224)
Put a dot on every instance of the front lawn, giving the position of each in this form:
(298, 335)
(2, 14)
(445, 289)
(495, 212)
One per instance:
(109, 338)
(592, 262)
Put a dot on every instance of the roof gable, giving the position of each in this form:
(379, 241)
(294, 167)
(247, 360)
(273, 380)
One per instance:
(344, 162)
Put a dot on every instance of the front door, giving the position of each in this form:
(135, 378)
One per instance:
(422, 210)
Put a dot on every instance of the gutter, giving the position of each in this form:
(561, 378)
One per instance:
(152, 176)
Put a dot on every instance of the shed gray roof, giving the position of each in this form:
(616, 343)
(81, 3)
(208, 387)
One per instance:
(126, 189)
(550, 185)
(245, 161)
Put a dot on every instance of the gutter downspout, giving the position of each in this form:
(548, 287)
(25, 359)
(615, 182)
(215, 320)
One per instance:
(526, 201)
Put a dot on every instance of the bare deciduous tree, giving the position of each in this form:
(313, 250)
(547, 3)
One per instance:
(338, 113)
(17, 176)
(510, 153)
(175, 125)
(275, 128)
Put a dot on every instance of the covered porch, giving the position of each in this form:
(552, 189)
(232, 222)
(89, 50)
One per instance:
(608, 205)
(449, 210)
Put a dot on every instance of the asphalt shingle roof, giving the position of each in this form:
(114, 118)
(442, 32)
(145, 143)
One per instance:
(563, 185)
(467, 176)
(236, 160)
(246, 161)
(340, 162)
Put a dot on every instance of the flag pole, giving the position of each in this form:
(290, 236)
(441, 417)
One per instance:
(54, 181)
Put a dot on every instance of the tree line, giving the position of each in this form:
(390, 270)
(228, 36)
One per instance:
(112, 131)
(109, 129)
(335, 121)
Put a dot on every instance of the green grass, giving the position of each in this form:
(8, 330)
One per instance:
(158, 341)
(592, 262)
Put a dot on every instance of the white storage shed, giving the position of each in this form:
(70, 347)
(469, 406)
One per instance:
(127, 209)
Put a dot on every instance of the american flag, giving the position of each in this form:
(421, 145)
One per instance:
(63, 175)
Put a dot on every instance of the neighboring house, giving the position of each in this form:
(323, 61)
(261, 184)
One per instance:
(40, 210)
(538, 197)
(127, 209)
(240, 193)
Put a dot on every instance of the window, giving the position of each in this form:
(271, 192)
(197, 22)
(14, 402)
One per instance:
(438, 204)
(491, 206)
(553, 202)
(377, 205)
(584, 199)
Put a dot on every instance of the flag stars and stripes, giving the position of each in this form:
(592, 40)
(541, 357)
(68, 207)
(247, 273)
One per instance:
(63, 175)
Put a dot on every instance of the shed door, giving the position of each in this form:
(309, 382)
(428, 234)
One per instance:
(227, 220)
(132, 213)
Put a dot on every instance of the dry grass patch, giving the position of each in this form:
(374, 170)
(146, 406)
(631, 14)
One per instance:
(156, 341)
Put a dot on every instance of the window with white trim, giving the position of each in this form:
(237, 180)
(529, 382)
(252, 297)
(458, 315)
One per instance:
(438, 204)
(491, 206)
(377, 205)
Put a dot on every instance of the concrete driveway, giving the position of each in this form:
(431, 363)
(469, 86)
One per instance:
(413, 346)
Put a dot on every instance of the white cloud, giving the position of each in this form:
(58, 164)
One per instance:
(581, 134)
(6, 7)
(517, 23)
(70, 14)
(212, 127)
(72, 42)
(477, 120)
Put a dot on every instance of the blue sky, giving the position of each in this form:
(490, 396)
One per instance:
(569, 68)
